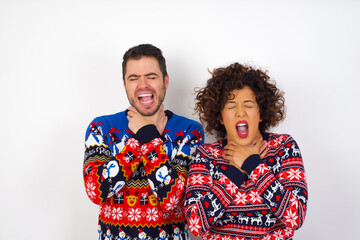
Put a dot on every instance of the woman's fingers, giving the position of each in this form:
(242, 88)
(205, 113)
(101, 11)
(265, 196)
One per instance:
(263, 149)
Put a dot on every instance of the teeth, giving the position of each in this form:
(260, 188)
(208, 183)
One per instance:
(145, 98)
(242, 128)
(145, 95)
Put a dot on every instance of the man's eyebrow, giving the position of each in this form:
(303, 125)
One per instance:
(150, 74)
(132, 75)
(146, 75)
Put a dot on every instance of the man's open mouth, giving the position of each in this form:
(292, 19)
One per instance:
(146, 98)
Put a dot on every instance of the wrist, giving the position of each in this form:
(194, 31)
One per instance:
(251, 163)
(147, 133)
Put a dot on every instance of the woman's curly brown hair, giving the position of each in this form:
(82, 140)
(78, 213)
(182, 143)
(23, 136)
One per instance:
(211, 99)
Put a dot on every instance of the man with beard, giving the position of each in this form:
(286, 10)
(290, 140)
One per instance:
(136, 161)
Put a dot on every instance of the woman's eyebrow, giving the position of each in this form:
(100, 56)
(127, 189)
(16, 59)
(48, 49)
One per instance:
(246, 101)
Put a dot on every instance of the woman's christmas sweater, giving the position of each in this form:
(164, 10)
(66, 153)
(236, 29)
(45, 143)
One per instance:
(270, 203)
(138, 179)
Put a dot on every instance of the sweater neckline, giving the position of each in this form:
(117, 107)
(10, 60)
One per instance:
(168, 113)
(265, 137)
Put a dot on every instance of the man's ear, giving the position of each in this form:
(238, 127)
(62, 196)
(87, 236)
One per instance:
(166, 81)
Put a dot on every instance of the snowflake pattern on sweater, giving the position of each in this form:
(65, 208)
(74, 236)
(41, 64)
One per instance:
(139, 185)
(270, 203)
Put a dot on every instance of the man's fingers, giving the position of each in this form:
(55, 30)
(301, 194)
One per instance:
(131, 112)
(161, 108)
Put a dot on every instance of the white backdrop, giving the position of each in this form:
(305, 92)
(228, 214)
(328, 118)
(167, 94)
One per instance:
(60, 66)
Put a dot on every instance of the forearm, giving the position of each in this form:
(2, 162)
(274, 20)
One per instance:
(166, 166)
(166, 181)
(286, 192)
(208, 196)
(105, 174)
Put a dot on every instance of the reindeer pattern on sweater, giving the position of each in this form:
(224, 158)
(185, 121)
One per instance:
(270, 203)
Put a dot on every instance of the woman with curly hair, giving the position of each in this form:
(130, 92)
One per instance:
(251, 183)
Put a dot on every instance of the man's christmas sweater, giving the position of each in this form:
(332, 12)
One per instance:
(270, 203)
(138, 179)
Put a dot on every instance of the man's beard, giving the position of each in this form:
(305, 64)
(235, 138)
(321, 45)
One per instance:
(148, 114)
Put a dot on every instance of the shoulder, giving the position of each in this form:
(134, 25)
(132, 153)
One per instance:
(181, 120)
(279, 139)
(182, 127)
(278, 142)
(208, 153)
(111, 119)
(211, 150)
(102, 124)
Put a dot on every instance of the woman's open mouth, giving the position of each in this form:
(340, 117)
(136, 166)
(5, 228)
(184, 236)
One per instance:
(242, 129)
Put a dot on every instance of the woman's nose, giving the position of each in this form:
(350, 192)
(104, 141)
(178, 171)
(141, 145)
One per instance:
(240, 112)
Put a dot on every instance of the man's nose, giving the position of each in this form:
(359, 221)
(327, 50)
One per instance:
(143, 82)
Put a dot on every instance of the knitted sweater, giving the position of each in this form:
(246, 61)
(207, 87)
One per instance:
(270, 203)
(138, 179)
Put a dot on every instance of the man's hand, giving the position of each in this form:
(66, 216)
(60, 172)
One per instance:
(237, 154)
(137, 121)
(161, 120)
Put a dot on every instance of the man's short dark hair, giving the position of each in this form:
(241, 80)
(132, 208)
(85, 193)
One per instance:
(144, 50)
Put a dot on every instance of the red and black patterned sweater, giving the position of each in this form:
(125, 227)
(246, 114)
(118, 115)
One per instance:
(270, 203)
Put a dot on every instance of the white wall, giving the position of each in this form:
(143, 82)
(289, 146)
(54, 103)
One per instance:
(60, 66)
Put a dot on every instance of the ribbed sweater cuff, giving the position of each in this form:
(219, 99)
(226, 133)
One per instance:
(251, 163)
(147, 133)
(235, 175)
